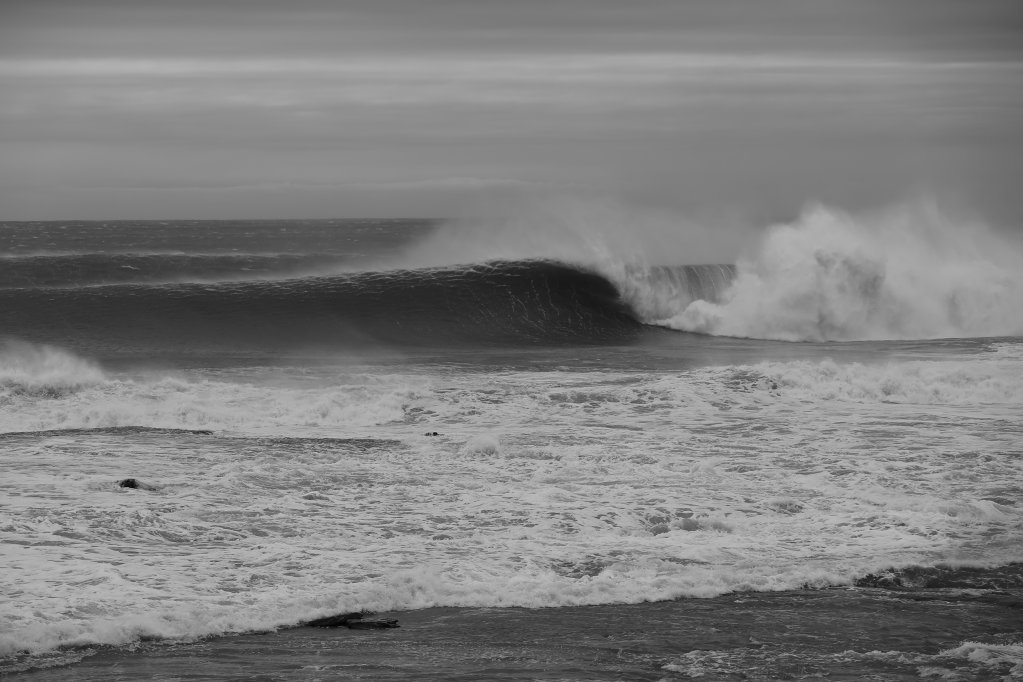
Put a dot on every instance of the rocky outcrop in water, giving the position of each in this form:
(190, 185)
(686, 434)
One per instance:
(353, 621)
(135, 484)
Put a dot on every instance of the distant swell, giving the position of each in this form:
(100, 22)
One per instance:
(62, 270)
(519, 302)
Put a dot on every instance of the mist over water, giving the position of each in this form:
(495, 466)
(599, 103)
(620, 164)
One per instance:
(581, 230)
(42, 369)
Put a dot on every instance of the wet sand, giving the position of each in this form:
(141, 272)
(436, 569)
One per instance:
(837, 634)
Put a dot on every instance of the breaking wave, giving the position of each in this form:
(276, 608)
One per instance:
(908, 273)
(41, 370)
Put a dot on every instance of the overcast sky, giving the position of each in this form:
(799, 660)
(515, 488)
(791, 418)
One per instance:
(316, 108)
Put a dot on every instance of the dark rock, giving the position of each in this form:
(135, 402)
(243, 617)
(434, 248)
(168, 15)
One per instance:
(135, 484)
(353, 621)
(885, 581)
(372, 624)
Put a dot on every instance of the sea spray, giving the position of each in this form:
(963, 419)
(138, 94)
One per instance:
(658, 261)
(612, 237)
(42, 370)
(911, 272)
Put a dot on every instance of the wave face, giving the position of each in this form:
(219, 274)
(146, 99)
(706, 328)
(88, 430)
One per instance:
(524, 302)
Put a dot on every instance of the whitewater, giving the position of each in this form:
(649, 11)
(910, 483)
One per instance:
(567, 407)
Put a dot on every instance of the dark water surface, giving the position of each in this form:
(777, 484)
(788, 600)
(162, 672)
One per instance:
(835, 634)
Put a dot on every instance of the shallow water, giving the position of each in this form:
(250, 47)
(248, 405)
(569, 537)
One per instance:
(836, 634)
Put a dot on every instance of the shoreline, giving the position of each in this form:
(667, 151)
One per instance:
(839, 632)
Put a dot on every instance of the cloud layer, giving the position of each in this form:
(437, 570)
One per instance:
(409, 108)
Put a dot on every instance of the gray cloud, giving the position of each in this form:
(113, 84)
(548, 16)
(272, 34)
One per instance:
(765, 104)
(975, 29)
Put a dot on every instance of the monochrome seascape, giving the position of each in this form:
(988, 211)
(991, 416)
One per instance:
(545, 456)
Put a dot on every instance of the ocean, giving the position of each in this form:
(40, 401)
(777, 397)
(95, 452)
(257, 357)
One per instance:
(548, 454)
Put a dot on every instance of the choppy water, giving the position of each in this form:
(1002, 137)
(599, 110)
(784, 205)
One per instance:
(587, 451)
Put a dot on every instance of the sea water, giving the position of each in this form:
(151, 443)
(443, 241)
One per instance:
(390, 416)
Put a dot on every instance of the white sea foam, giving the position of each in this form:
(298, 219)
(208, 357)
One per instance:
(43, 370)
(911, 272)
(188, 402)
(969, 660)
(542, 488)
(988, 379)
(484, 444)
(70, 392)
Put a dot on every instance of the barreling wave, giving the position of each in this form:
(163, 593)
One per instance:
(501, 303)
(655, 292)
(911, 271)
